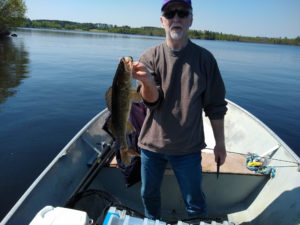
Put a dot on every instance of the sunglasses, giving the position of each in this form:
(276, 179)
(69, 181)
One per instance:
(181, 13)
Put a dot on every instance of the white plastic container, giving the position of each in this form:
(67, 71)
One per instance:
(118, 217)
(60, 216)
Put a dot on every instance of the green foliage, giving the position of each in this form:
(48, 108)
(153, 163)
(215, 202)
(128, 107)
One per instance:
(11, 14)
(209, 35)
(154, 31)
(67, 25)
(150, 31)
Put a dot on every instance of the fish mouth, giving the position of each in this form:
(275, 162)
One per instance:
(128, 63)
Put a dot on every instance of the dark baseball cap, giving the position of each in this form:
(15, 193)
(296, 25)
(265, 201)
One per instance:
(187, 2)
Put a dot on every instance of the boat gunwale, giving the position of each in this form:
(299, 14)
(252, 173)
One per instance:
(48, 168)
(271, 132)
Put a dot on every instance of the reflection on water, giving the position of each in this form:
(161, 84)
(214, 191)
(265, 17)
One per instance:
(13, 67)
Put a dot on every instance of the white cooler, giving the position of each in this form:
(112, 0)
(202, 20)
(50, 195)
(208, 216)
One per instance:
(60, 216)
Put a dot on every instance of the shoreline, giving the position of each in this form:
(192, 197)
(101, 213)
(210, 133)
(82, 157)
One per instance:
(154, 31)
(142, 35)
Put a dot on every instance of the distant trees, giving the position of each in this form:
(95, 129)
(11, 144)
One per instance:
(150, 31)
(43, 24)
(154, 31)
(67, 25)
(11, 15)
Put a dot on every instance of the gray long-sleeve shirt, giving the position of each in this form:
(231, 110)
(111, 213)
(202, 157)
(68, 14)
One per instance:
(188, 81)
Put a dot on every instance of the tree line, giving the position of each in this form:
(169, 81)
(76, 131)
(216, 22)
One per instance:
(153, 31)
(12, 14)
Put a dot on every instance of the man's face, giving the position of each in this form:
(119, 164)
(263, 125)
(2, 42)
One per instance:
(176, 20)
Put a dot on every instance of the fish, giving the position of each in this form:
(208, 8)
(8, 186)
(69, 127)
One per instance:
(119, 98)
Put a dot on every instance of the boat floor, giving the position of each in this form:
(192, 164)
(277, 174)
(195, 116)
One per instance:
(233, 191)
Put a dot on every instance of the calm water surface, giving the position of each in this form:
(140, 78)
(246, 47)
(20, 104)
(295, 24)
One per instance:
(52, 83)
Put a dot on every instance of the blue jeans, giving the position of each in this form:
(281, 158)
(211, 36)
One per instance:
(188, 171)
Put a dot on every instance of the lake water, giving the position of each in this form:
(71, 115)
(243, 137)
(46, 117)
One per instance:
(53, 82)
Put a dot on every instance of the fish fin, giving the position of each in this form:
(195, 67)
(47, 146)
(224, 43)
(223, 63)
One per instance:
(108, 98)
(127, 154)
(130, 127)
(125, 157)
(110, 126)
(136, 97)
(132, 152)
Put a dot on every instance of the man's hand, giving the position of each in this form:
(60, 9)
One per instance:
(220, 154)
(148, 89)
(220, 149)
(140, 72)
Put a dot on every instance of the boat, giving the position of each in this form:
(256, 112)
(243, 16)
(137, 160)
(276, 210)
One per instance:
(86, 169)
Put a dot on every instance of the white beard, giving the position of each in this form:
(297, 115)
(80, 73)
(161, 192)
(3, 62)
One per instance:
(176, 35)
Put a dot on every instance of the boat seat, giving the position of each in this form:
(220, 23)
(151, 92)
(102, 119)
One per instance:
(234, 164)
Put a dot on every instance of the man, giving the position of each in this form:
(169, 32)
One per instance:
(177, 79)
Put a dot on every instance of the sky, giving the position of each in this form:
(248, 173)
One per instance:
(264, 18)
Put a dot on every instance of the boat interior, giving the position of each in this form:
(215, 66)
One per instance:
(237, 195)
(228, 193)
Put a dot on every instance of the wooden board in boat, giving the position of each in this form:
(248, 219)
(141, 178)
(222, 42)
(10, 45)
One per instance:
(234, 164)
